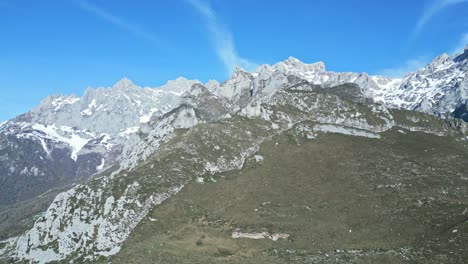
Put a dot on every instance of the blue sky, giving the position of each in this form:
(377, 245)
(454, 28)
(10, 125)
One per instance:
(63, 46)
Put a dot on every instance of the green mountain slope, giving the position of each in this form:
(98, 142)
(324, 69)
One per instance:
(339, 198)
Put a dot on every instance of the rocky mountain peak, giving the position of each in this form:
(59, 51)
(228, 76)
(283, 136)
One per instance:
(319, 66)
(294, 64)
(179, 85)
(212, 85)
(439, 60)
(293, 61)
(463, 56)
(238, 71)
(124, 84)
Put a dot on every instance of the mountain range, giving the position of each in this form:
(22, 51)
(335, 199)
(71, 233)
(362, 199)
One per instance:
(78, 175)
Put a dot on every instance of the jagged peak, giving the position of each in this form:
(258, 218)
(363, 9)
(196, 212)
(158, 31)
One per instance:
(89, 90)
(212, 84)
(437, 61)
(294, 63)
(440, 59)
(291, 62)
(179, 85)
(181, 80)
(462, 56)
(318, 65)
(238, 71)
(196, 90)
(124, 83)
(292, 59)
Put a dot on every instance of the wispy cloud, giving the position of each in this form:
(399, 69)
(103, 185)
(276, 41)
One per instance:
(430, 11)
(408, 67)
(117, 21)
(222, 38)
(461, 44)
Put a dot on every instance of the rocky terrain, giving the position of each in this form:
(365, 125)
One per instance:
(289, 163)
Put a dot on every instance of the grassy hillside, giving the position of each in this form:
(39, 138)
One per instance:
(341, 199)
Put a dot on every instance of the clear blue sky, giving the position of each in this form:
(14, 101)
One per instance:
(63, 46)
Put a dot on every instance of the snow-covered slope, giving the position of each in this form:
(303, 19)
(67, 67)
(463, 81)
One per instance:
(67, 139)
(104, 116)
(437, 88)
(110, 110)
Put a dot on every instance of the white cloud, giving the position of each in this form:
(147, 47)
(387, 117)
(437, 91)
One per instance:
(461, 45)
(117, 21)
(431, 10)
(408, 67)
(222, 38)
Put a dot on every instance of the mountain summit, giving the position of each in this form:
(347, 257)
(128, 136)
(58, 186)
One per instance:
(124, 84)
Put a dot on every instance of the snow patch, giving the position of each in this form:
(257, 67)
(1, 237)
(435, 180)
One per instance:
(60, 102)
(128, 131)
(146, 118)
(86, 112)
(75, 141)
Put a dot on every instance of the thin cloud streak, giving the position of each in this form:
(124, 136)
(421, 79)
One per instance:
(222, 38)
(435, 7)
(117, 21)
